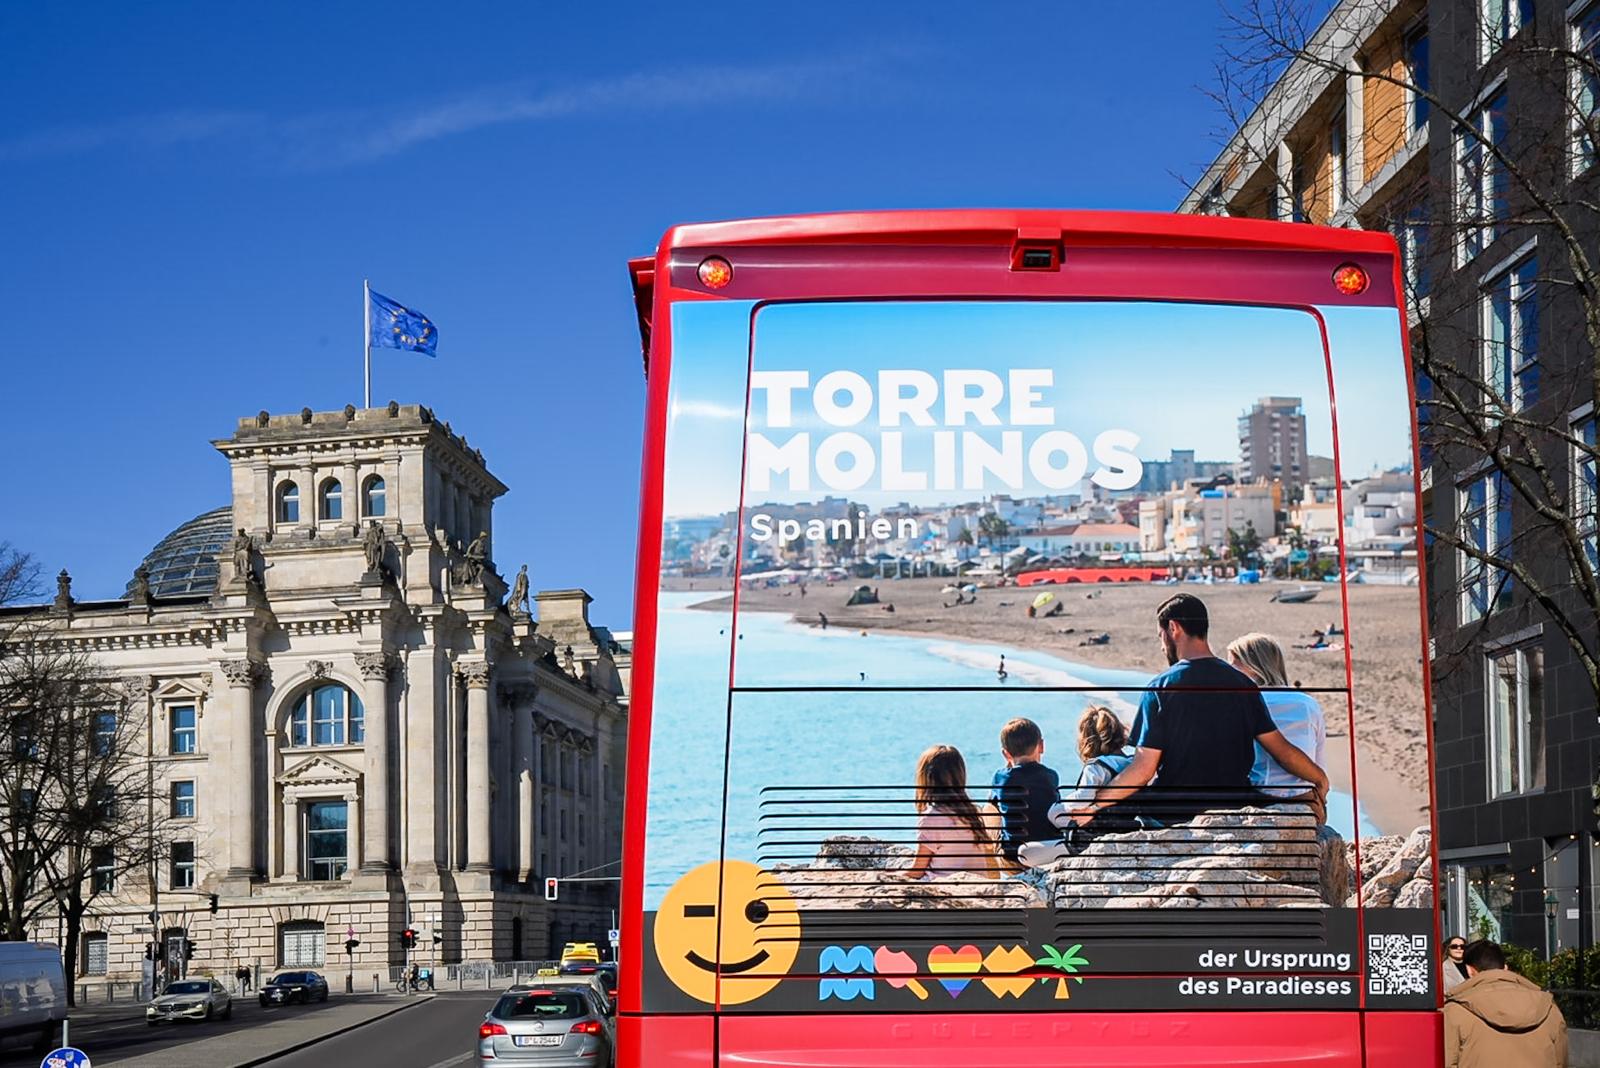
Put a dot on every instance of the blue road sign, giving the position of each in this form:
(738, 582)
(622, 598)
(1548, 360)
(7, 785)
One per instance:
(66, 1057)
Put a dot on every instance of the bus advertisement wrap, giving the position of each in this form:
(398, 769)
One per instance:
(918, 740)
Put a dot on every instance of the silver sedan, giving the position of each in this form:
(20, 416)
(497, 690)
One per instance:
(190, 999)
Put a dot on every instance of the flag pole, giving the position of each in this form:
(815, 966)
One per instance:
(366, 334)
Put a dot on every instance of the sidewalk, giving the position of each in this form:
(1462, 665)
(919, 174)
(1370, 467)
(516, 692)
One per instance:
(262, 1042)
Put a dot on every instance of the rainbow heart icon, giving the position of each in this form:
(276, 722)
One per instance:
(942, 960)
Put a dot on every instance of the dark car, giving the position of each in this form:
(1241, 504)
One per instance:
(288, 987)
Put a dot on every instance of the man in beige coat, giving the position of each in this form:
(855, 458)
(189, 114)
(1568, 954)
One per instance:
(1497, 1019)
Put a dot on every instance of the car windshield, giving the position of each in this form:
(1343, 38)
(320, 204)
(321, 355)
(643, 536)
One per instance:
(286, 978)
(543, 1004)
(189, 988)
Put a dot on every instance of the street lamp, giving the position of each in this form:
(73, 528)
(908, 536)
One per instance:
(1551, 900)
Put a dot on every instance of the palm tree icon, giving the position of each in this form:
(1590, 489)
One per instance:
(1067, 962)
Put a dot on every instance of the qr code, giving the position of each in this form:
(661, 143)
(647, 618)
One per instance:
(1398, 964)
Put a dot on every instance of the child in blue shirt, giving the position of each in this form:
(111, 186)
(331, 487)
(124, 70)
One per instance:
(1024, 789)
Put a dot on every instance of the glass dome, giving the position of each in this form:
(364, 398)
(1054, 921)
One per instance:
(185, 561)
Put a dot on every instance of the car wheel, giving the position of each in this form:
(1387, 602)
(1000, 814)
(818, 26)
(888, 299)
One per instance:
(227, 1013)
(324, 996)
(208, 1012)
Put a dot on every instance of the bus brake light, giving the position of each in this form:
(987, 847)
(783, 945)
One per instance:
(1350, 279)
(715, 272)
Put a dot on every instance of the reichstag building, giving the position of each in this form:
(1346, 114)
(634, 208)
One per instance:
(354, 717)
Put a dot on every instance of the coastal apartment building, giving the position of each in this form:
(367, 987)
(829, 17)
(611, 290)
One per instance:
(352, 728)
(1272, 442)
(1346, 137)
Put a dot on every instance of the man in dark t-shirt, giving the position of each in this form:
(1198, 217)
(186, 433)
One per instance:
(1204, 716)
(1195, 731)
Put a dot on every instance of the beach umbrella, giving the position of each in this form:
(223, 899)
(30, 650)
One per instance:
(1043, 599)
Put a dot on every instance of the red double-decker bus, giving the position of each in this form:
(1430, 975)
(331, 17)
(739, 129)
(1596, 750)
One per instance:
(885, 808)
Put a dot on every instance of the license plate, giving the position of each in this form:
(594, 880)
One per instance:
(538, 1040)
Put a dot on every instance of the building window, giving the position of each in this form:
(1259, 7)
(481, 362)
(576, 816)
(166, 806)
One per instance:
(1338, 169)
(372, 497)
(1409, 223)
(302, 944)
(105, 733)
(102, 869)
(103, 806)
(332, 500)
(1516, 721)
(328, 715)
(1585, 36)
(182, 866)
(1585, 495)
(327, 840)
(95, 956)
(1486, 892)
(181, 729)
(1501, 21)
(183, 800)
(288, 502)
(1511, 336)
(1485, 531)
(1417, 73)
(1481, 179)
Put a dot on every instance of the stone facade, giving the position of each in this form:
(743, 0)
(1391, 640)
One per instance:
(352, 730)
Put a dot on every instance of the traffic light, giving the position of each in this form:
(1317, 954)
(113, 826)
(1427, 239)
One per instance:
(188, 950)
(213, 903)
(408, 938)
(438, 936)
(550, 887)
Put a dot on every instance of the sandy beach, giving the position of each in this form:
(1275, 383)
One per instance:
(1385, 652)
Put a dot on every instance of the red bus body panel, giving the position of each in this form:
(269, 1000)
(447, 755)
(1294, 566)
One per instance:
(933, 255)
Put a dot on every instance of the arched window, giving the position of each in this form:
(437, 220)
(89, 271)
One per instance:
(327, 715)
(372, 497)
(332, 499)
(288, 502)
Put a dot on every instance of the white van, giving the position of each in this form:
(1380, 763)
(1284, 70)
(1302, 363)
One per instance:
(33, 992)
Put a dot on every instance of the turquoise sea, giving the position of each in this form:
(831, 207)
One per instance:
(858, 738)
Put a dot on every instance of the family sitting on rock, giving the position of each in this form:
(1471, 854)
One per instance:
(1205, 737)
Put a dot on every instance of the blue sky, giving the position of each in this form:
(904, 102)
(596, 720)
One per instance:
(194, 194)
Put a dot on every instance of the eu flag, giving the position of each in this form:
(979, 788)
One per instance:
(396, 326)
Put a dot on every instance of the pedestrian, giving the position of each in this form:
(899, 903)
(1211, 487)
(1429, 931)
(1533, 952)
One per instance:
(1451, 973)
(1498, 1019)
(242, 973)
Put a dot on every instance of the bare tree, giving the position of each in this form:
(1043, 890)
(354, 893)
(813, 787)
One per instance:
(77, 816)
(1497, 380)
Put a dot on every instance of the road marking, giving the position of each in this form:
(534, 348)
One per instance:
(454, 1060)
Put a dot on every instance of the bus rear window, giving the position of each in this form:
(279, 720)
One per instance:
(556, 1006)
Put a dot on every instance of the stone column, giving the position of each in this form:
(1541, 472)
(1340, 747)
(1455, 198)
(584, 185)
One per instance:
(239, 763)
(522, 772)
(375, 669)
(476, 675)
(291, 838)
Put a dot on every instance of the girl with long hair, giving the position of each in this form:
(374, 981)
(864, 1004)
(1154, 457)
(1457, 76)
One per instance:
(951, 835)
